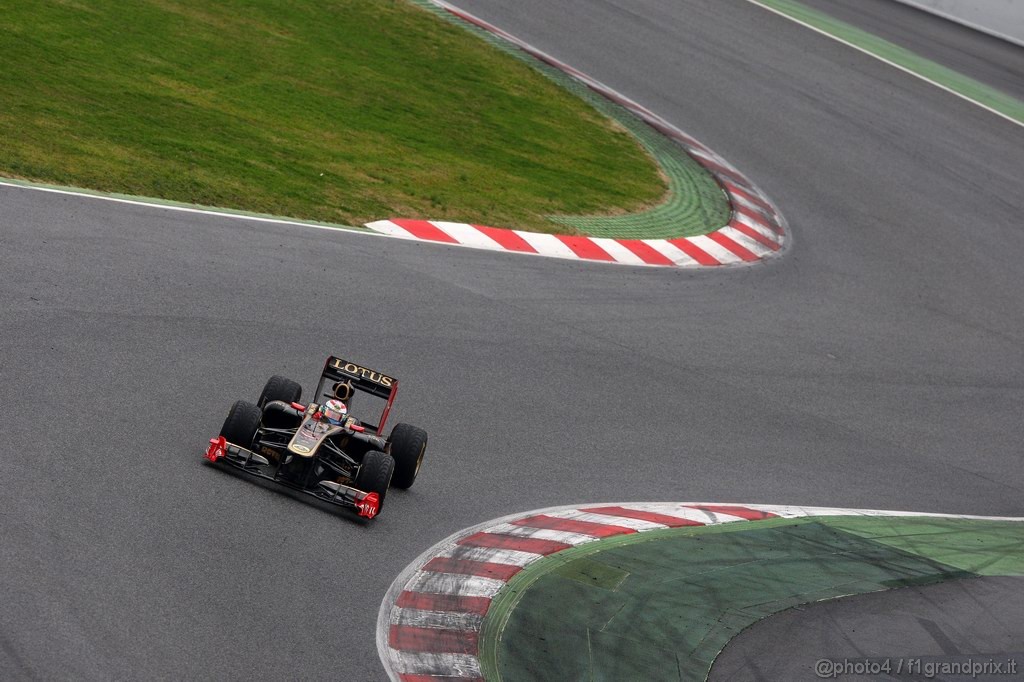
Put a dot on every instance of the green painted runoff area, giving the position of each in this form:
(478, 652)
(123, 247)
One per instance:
(663, 604)
(340, 112)
(974, 90)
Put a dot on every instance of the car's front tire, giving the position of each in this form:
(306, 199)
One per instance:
(408, 445)
(242, 422)
(280, 388)
(375, 474)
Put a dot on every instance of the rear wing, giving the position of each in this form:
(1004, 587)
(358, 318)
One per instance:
(341, 379)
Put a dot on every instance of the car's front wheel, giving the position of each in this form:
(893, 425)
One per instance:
(375, 474)
(242, 422)
(280, 388)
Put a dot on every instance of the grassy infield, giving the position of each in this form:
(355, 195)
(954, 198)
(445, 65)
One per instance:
(341, 111)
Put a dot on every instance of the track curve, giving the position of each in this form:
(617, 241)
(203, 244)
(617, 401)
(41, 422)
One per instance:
(445, 615)
(879, 365)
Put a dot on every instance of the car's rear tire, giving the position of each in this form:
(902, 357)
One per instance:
(280, 388)
(408, 444)
(375, 474)
(242, 423)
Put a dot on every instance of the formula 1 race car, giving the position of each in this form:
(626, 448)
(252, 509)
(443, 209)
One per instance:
(319, 448)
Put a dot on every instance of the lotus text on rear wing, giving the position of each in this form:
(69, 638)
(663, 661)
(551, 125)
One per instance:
(361, 372)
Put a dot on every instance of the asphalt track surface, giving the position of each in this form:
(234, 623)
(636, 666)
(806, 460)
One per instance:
(880, 364)
(911, 623)
(986, 58)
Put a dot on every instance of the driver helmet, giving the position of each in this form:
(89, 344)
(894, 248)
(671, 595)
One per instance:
(334, 411)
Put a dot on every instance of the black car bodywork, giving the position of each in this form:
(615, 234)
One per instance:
(349, 464)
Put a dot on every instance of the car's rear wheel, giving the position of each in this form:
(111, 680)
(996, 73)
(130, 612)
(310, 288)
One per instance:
(280, 388)
(242, 423)
(408, 445)
(375, 474)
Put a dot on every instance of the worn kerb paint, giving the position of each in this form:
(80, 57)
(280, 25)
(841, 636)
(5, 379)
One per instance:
(429, 622)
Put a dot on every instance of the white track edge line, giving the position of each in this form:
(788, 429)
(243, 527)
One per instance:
(891, 63)
(87, 194)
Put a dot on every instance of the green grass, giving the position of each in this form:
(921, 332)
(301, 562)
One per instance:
(344, 112)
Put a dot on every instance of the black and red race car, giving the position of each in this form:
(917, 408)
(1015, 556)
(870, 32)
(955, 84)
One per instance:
(345, 462)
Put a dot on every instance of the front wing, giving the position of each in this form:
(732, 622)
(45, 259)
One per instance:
(220, 450)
